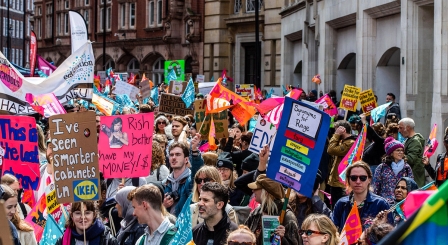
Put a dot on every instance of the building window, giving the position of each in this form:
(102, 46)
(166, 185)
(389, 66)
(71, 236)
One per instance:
(48, 20)
(39, 10)
(21, 29)
(108, 10)
(237, 7)
(151, 13)
(66, 23)
(86, 18)
(123, 15)
(250, 5)
(110, 64)
(87, 2)
(39, 28)
(157, 71)
(132, 15)
(134, 66)
(159, 12)
(13, 55)
(67, 4)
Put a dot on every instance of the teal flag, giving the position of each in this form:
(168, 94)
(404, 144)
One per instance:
(183, 224)
(171, 76)
(188, 95)
(155, 95)
(379, 112)
(53, 231)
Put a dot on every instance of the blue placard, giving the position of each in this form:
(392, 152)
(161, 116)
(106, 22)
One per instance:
(298, 146)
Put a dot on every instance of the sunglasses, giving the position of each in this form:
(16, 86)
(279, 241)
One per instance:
(162, 122)
(239, 243)
(199, 180)
(310, 232)
(355, 177)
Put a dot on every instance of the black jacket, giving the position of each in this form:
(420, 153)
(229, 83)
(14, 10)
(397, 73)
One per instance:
(132, 235)
(221, 230)
(394, 108)
(375, 151)
(433, 173)
(106, 239)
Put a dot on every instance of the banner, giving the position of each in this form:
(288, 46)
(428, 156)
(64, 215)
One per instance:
(179, 69)
(245, 90)
(74, 142)
(263, 133)
(65, 82)
(220, 120)
(126, 88)
(33, 52)
(349, 99)
(78, 29)
(125, 145)
(354, 154)
(46, 104)
(173, 104)
(18, 143)
(45, 66)
(298, 146)
(368, 101)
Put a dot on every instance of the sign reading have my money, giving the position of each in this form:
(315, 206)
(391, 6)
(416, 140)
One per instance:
(298, 146)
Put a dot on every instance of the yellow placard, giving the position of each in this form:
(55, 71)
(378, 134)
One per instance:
(368, 102)
(52, 202)
(297, 147)
(350, 95)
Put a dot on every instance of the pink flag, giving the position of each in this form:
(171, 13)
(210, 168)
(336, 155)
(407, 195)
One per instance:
(46, 104)
(45, 66)
(275, 114)
(353, 155)
(329, 106)
(432, 143)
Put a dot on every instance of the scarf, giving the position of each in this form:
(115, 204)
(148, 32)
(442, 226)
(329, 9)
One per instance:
(397, 167)
(93, 233)
(125, 227)
(175, 181)
(226, 183)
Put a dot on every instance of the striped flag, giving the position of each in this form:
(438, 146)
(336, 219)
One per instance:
(216, 105)
(354, 154)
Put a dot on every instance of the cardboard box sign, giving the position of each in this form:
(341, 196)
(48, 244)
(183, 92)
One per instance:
(177, 87)
(75, 157)
(173, 104)
(220, 120)
(145, 89)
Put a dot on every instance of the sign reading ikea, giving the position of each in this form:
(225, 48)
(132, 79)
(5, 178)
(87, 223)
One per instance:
(85, 190)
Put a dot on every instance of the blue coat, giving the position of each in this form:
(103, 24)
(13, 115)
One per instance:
(372, 206)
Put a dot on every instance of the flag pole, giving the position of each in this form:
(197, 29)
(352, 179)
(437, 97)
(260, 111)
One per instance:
(83, 223)
(285, 204)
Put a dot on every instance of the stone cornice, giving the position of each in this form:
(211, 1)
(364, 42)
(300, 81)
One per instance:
(286, 11)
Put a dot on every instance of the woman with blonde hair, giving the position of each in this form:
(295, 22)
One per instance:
(318, 229)
(13, 183)
(204, 175)
(25, 231)
(159, 171)
(242, 235)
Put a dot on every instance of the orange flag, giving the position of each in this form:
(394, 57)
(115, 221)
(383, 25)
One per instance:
(211, 136)
(353, 228)
(216, 105)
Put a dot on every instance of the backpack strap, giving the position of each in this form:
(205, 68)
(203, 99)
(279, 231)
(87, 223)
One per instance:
(169, 235)
(136, 182)
(22, 207)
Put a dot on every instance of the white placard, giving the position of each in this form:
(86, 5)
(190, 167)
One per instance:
(126, 88)
(304, 120)
(263, 133)
(200, 78)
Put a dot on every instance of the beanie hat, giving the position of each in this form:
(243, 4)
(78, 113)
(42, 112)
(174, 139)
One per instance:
(225, 161)
(390, 145)
(250, 163)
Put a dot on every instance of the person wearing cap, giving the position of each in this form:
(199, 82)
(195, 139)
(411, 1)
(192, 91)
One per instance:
(388, 173)
(199, 96)
(270, 194)
(226, 170)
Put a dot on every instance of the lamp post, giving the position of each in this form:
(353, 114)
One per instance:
(257, 46)
(8, 41)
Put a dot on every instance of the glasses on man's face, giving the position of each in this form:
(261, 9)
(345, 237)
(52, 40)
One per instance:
(310, 232)
(78, 214)
(356, 177)
(239, 243)
(199, 180)
(401, 187)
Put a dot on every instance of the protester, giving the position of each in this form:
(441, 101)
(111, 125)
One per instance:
(270, 194)
(404, 186)
(204, 175)
(241, 236)
(83, 225)
(41, 145)
(440, 173)
(318, 229)
(46, 173)
(217, 224)
(413, 149)
(130, 230)
(339, 145)
(160, 123)
(394, 107)
(226, 170)
(389, 172)
(375, 233)
(312, 95)
(234, 140)
(115, 184)
(148, 208)
(159, 171)
(11, 181)
(179, 129)
(243, 153)
(210, 158)
(250, 163)
(358, 178)
(356, 124)
(373, 153)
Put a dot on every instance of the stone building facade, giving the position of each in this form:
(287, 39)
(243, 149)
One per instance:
(397, 46)
(140, 35)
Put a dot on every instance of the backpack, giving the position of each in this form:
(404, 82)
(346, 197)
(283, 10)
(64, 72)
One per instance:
(166, 239)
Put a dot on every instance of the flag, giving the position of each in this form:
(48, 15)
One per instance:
(184, 227)
(329, 106)
(432, 143)
(45, 104)
(188, 95)
(275, 114)
(33, 52)
(211, 136)
(271, 92)
(316, 79)
(78, 29)
(171, 76)
(155, 95)
(36, 217)
(285, 91)
(379, 112)
(45, 67)
(427, 226)
(212, 79)
(354, 154)
(215, 105)
(353, 228)
(53, 230)
(131, 79)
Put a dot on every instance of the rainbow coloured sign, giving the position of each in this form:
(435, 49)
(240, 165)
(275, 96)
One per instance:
(298, 146)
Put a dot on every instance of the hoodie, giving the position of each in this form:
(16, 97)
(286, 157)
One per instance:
(413, 150)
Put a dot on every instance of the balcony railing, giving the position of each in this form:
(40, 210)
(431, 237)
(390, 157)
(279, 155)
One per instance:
(249, 4)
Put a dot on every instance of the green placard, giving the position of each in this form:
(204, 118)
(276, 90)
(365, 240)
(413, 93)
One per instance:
(179, 68)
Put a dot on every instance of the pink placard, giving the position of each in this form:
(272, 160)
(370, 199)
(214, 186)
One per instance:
(329, 106)
(125, 145)
(18, 139)
(45, 104)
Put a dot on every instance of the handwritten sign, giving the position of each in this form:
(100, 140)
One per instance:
(145, 89)
(368, 101)
(349, 99)
(19, 139)
(200, 78)
(123, 145)
(173, 104)
(298, 146)
(75, 160)
(126, 88)
(177, 87)
(5, 232)
(220, 120)
(246, 91)
(263, 133)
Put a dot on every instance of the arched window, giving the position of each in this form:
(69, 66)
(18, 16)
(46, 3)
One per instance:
(157, 71)
(110, 64)
(134, 66)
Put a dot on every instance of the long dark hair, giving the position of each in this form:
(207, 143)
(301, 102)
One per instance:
(115, 121)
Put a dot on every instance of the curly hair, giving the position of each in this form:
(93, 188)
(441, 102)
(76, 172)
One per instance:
(391, 129)
(158, 156)
(379, 128)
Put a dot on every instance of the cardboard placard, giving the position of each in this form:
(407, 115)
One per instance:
(75, 159)
(349, 99)
(126, 88)
(145, 89)
(263, 133)
(173, 104)
(18, 140)
(368, 102)
(246, 91)
(177, 87)
(125, 145)
(5, 232)
(220, 120)
(298, 146)
(200, 78)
